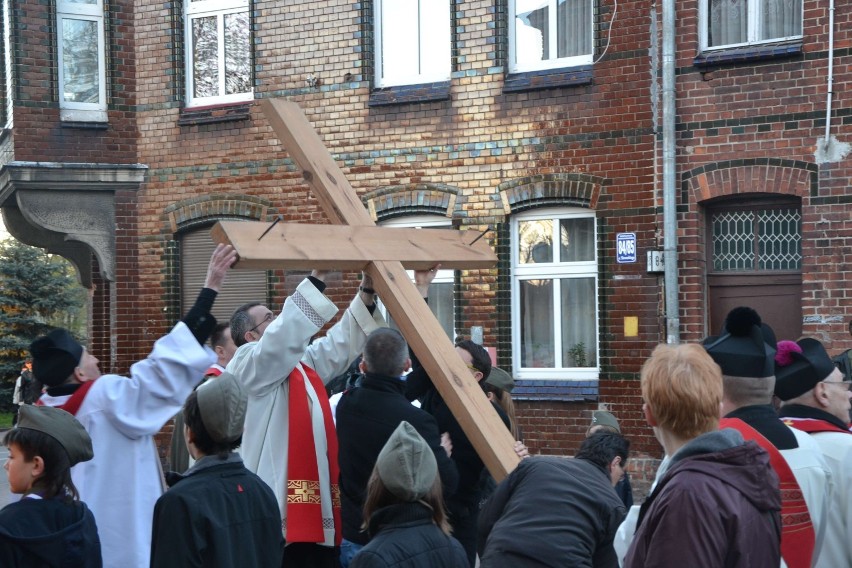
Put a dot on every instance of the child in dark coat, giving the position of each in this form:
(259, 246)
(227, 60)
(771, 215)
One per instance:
(404, 511)
(49, 526)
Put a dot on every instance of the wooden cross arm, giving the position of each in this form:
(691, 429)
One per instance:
(343, 247)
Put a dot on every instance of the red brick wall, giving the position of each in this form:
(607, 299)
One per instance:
(730, 120)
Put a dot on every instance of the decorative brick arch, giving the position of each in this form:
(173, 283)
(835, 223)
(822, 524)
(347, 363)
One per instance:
(562, 190)
(412, 199)
(189, 213)
(759, 175)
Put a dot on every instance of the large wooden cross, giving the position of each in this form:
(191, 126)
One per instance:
(355, 243)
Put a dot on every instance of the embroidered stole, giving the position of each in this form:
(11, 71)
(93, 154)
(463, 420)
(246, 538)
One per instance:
(304, 501)
(797, 530)
(72, 405)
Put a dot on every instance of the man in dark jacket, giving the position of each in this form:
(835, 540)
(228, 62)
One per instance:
(366, 418)
(218, 514)
(718, 502)
(556, 512)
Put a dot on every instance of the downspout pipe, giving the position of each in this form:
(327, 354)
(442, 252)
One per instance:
(669, 190)
(830, 73)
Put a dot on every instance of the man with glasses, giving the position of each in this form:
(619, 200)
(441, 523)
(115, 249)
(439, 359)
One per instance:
(817, 400)
(289, 438)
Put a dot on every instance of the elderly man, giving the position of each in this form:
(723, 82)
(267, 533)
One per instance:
(816, 400)
(289, 440)
(746, 354)
(123, 481)
(717, 503)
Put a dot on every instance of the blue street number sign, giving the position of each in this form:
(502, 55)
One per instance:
(625, 248)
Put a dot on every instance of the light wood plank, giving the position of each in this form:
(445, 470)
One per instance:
(342, 247)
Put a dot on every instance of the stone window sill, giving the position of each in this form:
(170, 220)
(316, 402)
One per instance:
(405, 94)
(548, 79)
(749, 54)
(214, 114)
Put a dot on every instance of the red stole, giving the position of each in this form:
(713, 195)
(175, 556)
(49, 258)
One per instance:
(797, 530)
(813, 425)
(304, 509)
(72, 405)
(213, 372)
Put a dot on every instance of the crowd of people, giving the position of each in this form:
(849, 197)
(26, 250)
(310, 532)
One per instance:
(265, 472)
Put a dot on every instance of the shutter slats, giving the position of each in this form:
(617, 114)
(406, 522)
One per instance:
(241, 286)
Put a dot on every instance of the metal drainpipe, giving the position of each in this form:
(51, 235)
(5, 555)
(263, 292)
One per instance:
(669, 203)
(830, 74)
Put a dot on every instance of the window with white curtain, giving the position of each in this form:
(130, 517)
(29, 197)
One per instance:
(732, 23)
(82, 67)
(412, 41)
(555, 294)
(441, 290)
(547, 34)
(218, 52)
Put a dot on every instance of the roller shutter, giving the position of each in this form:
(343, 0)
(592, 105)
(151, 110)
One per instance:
(241, 286)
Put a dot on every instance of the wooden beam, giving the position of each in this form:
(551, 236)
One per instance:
(342, 247)
(465, 398)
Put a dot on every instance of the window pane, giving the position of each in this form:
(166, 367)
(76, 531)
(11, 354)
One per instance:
(537, 341)
(573, 25)
(577, 239)
(535, 239)
(779, 239)
(728, 22)
(237, 60)
(400, 38)
(441, 305)
(779, 18)
(436, 45)
(80, 61)
(733, 241)
(532, 24)
(578, 322)
(205, 64)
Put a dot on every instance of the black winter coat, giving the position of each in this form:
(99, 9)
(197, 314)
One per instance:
(219, 515)
(366, 417)
(551, 512)
(404, 536)
(48, 533)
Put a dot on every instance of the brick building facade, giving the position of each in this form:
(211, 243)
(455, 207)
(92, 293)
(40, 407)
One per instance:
(482, 138)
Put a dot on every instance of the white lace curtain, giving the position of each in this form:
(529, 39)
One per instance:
(728, 23)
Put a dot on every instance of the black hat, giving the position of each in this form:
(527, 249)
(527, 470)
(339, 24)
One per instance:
(804, 370)
(55, 356)
(746, 347)
(59, 425)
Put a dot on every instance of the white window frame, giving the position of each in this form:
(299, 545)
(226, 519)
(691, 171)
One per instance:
(555, 63)
(753, 19)
(444, 276)
(73, 111)
(7, 61)
(429, 42)
(554, 271)
(219, 9)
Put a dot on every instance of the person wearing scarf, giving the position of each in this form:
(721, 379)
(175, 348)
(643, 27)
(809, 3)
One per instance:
(816, 400)
(290, 440)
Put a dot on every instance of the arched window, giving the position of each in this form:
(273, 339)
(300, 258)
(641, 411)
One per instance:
(441, 291)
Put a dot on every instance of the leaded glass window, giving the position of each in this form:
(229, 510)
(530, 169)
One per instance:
(757, 239)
